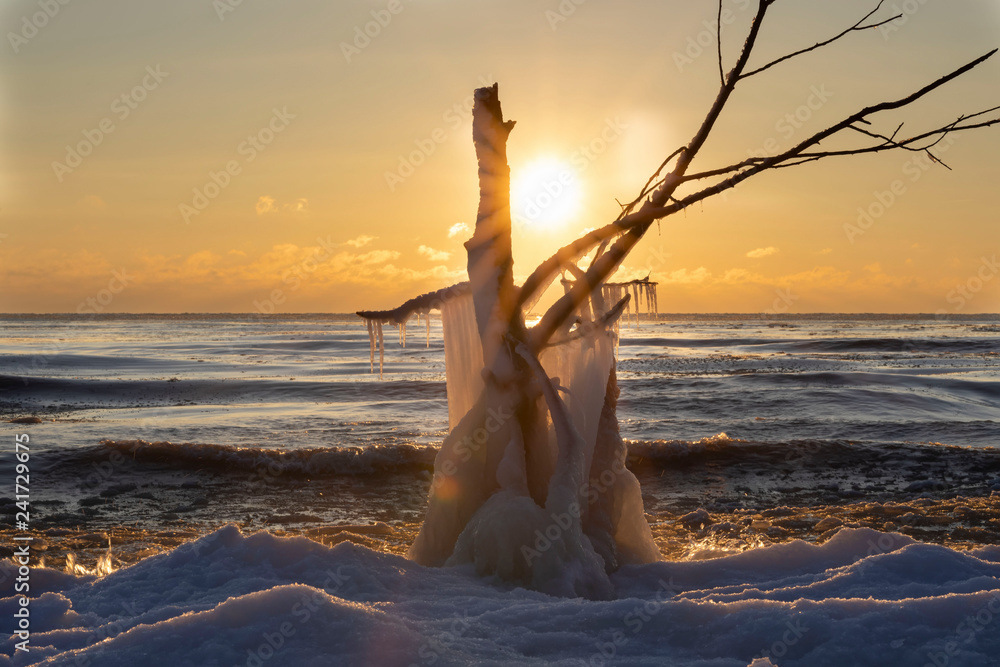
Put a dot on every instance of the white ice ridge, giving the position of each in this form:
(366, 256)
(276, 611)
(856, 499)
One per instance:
(864, 599)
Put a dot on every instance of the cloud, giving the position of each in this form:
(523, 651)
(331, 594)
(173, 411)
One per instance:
(685, 277)
(266, 205)
(457, 228)
(287, 266)
(738, 276)
(360, 241)
(432, 254)
(439, 274)
(300, 205)
(825, 251)
(762, 252)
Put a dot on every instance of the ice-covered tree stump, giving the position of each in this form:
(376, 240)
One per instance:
(531, 485)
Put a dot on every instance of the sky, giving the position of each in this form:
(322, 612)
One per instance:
(310, 156)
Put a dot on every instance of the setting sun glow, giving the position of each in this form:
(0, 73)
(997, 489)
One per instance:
(545, 195)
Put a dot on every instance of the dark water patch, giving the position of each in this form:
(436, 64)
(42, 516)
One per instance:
(956, 345)
(26, 391)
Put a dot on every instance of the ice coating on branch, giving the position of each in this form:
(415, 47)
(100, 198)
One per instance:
(381, 348)
(463, 357)
(641, 290)
(514, 538)
(371, 344)
(591, 520)
(514, 490)
(421, 305)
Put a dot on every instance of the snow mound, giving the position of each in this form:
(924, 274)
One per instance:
(862, 598)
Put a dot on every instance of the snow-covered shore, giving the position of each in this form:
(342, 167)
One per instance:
(861, 598)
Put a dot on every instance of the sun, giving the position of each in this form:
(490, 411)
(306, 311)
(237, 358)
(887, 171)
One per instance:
(545, 194)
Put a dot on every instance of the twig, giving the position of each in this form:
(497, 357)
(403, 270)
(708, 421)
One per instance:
(718, 39)
(856, 27)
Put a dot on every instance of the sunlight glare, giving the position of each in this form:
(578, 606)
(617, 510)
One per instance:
(545, 194)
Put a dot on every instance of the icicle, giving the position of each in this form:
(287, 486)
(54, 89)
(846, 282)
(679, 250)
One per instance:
(635, 295)
(427, 318)
(402, 334)
(381, 348)
(371, 345)
(656, 302)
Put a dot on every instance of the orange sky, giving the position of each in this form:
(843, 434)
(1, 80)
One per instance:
(205, 157)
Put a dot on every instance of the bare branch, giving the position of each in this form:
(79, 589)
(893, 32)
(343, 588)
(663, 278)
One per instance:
(888, 143)
(666, 190)
(634, 225)
(757, 165)
(854, 28)
(423, 303)
(718, 40)
(658, 194)
(646, 189)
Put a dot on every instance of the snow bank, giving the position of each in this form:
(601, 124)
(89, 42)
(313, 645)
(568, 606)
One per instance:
(862, 598)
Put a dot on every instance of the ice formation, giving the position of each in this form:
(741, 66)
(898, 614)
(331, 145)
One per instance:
(463, 361)
(530, 484)
(640, 290)
(560, 521)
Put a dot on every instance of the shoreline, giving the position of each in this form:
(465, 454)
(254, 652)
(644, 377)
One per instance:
(707, 499)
